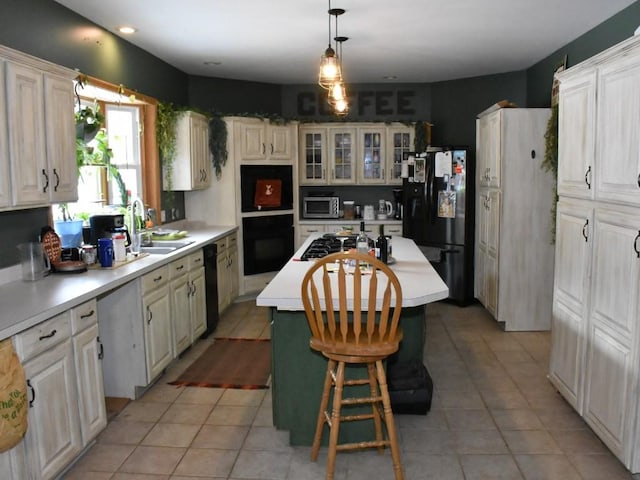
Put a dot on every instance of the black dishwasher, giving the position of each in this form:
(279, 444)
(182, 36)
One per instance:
(211, 281)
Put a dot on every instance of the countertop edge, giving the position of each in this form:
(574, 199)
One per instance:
(17, 298)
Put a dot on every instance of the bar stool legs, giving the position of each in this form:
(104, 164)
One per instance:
(379, 394)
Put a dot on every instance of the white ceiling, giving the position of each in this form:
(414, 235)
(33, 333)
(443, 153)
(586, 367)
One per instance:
(281, 41)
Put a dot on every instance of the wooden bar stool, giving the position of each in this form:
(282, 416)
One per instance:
(334, 292)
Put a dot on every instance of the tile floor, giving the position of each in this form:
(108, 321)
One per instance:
(494, 416)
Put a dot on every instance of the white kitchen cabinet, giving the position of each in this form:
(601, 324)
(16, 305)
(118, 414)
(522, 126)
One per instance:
(5, 171)
(306, 230)
(574, 240)
(371, 155)
(227, 270)
(156, 309)
(513, 250)
(180, 311)
(13, 463)
(576, 139)
(191, 168)
(261, 140)
(400, 141)
(53, 437)
(87, 355)
(353, 153)
(41, 130)
(595, 337)
(197, 303)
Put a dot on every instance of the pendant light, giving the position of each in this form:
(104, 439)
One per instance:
(329, 62)
(337, 97)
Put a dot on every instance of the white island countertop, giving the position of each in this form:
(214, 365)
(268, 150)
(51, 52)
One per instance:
(25, 304)
(420, 283)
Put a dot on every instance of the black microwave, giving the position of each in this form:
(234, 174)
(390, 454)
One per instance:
(321, 207)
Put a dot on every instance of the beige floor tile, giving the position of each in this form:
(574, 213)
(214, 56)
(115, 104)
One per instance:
(153, 460)
(490, 467)
(171, 435)
(561, 420)
(139, 476)
(80, 475)
(516, 419)
(598, 467)
(143, 411)
(264, 416)
(530, 442)
(190, 413)
(433, 420)
(206, 463)
(460, 399)
(240, 397)
(124, 432)
(198, 395)
(104, 458)
(226, 437)
(547, 467)
(463, 419)
(232, 415)
(505, 399)
(578, 441)
(431, 467)
(262, 465)
(265, 438)
(161, 392)
(478, 442)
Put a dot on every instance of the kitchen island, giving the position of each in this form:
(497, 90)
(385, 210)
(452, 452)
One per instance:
(297, 372)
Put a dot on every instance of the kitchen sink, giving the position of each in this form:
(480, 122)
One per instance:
(162, 247)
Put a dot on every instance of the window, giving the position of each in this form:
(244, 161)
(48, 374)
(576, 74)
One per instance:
(133, 170)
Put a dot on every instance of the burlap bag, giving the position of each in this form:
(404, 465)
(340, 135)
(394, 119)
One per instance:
(13, 397)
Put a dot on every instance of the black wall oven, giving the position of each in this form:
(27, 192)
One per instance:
(267, 242)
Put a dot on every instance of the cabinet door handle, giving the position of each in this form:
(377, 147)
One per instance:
(43, 337)
(635, 244)
(639, 179)
(264, 148)
(180, 267)
(33, 393)
(272, 149)
(46, 181)
(157, 279)
(55, 174)
(584, 230)
(100, 349)
(149, 315)
(195, 289)
(87, 315)
(587, 178)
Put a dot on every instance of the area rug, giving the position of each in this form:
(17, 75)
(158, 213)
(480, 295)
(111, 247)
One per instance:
(230, 363)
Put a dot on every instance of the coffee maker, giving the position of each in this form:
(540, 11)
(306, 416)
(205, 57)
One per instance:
(105, 225)
(397, 203)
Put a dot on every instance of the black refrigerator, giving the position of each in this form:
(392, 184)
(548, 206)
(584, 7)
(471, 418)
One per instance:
(438, 214)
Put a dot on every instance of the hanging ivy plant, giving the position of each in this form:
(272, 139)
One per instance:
(166, 118)
(218, 143)
(550, 162)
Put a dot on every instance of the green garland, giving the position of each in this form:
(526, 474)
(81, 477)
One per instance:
(550, 162)
(166, 119)
(218, 143)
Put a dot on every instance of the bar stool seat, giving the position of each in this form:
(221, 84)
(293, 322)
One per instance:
(352, 303)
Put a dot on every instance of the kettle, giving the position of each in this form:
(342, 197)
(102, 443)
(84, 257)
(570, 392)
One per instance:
(385, 208)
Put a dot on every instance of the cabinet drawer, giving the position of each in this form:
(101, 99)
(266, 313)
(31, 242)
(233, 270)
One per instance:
(155, 279)
(37, 339)
(83, 316)
(222, 244)
(178, 267)
(232, 240)
(393, 230)
(307, 230)
(196, 260)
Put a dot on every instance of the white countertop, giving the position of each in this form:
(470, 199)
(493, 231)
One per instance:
(25, 304)
(420, 283)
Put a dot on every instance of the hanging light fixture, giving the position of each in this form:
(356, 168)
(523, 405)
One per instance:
(329, 62)
(337, 97)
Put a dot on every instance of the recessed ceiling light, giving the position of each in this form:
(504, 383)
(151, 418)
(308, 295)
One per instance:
(127, 30)
(390, 77)
(212, 62)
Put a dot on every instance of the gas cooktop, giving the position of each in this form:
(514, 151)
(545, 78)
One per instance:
(327, 244)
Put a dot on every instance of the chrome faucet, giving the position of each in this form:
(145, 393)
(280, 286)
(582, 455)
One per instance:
(137, 240)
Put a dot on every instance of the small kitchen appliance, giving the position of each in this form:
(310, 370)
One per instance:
(397, 203)
(321, 207)
(106, 225)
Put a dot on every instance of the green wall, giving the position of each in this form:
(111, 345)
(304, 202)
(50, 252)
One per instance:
(48, 30)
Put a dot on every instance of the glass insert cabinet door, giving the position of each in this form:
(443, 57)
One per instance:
(315, 158)
(401, 143)
(372, 166)
(342, 144)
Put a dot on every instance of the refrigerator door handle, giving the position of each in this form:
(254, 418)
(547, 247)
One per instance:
(429, 191)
